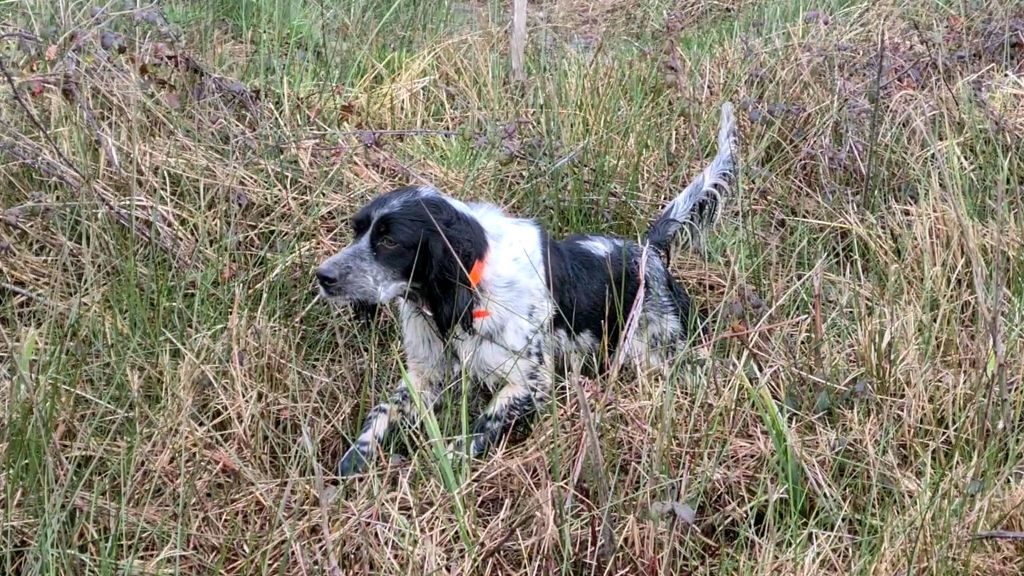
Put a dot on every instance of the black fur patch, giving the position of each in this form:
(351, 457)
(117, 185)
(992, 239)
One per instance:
(428, 241)
(593, 293)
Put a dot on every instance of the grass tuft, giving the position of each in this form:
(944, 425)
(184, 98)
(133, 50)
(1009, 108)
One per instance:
(175, 398)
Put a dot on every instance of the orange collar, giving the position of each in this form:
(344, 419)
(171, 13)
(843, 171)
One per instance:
(476, 274)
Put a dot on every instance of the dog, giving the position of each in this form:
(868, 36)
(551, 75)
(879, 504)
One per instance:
(496, 299)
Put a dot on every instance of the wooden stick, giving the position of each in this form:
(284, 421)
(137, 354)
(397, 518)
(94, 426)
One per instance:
(518, 40)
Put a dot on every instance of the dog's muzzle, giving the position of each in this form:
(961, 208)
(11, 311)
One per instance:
(354, 276)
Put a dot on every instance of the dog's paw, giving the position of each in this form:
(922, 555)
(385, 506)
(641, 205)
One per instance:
(457, 449)
(353, 462)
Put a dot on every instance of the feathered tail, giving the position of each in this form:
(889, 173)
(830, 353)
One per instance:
(699, 205)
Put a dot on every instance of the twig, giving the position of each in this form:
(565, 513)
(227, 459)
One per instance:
(21, 35)
(333, 568)
(931, 54)
(406, 132)
(75, 181)
(998, 346)
(757, 330)
(998, 535)
(492, 548)
(36, 123)
(633, 320)
(877, 94)
(220, 83)
(24, 292)
(606, 546)
(39, 163)
(68, 173)
(904, 72)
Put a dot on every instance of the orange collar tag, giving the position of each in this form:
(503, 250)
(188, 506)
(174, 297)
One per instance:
(476, 274)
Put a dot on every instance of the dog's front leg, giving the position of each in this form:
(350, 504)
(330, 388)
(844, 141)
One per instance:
(527, 388)
(384, 418)
(429, 368)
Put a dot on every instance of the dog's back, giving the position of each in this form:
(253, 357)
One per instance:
(595, 280)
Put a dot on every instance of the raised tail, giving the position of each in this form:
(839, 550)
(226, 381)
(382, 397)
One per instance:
(700, 204)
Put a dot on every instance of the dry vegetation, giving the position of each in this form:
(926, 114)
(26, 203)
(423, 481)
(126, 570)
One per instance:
(175, 398)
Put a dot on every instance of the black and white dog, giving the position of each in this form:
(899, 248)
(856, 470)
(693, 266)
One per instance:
(493, 298)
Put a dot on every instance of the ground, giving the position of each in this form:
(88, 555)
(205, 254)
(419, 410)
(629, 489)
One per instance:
(175, 397)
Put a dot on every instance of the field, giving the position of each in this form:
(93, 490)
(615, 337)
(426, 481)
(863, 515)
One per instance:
(175, 397)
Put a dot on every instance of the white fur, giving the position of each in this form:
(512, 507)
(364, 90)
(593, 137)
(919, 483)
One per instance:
(599, 245)
(512, 291)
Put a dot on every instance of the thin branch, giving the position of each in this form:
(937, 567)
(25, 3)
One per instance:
(21, 35)
(867, 194)
(220, 84)
(68, 173)
(996, 315)
(632, 321)
(606, 545)
(998, 535)
(24, 292)
(36, 123)
(40, 163)
(407, 132)
(931, 54)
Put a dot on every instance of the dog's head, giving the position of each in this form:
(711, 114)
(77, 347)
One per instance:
(411, 242)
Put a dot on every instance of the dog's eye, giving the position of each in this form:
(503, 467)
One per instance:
(387, 243)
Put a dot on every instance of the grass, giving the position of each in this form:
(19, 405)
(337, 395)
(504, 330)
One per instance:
(175, 398)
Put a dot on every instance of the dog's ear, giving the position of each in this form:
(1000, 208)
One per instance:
(453, 242)
(447, 289)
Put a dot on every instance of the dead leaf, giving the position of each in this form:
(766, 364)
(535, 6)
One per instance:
(224, 461)
(347, 111)
(240, 198)
(370, 139)
(172, 100)
(999, 535)
(228, 272)
(10, 217)
(112, 41)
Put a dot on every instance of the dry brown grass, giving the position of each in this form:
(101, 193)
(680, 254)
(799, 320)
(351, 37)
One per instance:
(175, 398)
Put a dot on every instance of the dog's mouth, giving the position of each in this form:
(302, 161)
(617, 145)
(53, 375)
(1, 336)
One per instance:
(332, 291)
(370, 296)
(334, 298)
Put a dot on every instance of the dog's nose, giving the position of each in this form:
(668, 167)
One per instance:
(325, 277)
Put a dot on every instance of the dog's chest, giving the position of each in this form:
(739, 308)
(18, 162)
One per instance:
(484, 361)
(505, 342)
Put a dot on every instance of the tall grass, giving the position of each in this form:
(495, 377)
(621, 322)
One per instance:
(175, 398)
